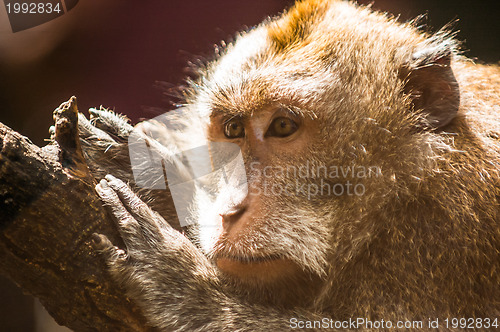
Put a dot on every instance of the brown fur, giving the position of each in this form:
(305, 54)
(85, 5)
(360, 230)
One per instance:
(422, 241)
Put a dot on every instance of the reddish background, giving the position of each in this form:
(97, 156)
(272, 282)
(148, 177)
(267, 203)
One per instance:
(111, 52)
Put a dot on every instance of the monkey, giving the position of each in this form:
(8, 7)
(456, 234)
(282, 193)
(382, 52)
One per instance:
(371, 154)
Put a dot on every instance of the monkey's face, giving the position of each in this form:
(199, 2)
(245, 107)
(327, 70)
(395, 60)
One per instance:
(291, 118)
(318, 117)
(259, 229)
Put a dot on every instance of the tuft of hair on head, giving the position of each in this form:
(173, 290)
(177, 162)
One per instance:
(295, 24)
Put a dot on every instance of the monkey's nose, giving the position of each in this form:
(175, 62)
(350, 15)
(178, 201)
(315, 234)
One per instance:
(233, 215)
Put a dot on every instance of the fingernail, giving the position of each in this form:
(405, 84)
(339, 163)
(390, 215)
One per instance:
(104, 183)
(96, 239)
(110, 177)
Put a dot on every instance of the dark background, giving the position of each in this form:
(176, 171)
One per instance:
(113, 53)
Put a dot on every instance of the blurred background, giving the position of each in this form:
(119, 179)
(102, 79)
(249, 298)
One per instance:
(125, 54)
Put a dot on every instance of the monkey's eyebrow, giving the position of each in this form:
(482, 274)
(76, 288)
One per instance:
(297, 111)
(233, 116)
(292, 109)
(277, 105)
(227, 115)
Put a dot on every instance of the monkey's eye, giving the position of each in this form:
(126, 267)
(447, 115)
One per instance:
(282, 127)
(234, 128)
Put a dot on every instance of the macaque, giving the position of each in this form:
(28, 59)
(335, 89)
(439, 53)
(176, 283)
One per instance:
(371, 152)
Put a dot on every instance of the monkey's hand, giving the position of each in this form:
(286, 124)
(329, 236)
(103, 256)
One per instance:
(172, 281)
(161, 269)
(105, 145)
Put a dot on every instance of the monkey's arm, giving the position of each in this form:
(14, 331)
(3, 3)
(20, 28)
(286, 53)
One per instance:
(176, 286)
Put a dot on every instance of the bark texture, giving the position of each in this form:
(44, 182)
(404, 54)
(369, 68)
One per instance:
(48, 213)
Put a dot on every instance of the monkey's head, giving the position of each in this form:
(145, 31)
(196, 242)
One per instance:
(332, 106)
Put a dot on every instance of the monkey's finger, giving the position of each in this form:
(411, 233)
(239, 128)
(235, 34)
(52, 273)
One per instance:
(88, 131)
(111, 122)
(139, 225)
(126, 222)
(149, 219)
(115, 258)
(112, 254)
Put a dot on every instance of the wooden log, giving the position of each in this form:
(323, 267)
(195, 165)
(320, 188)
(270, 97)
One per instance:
(48, 213)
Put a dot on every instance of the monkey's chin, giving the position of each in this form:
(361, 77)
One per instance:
(257, 270)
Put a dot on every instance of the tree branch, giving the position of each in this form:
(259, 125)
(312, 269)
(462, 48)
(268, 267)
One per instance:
(48, 212)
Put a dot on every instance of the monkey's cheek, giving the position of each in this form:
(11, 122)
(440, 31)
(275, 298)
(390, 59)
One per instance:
(261, 272)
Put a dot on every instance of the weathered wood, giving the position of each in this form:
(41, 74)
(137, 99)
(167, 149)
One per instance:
(48, 212)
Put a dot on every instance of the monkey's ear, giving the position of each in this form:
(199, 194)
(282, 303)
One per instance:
(432, 87)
